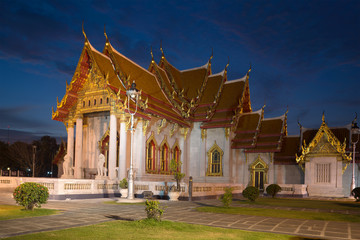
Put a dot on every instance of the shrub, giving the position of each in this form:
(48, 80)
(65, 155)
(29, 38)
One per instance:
(31, 195)
(356, 193)
(251, 193)
(273, 189)
(227, 197)
(153, 210)
(123, 184)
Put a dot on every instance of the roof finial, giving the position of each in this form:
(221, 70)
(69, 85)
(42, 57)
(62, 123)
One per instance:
(353, 123)
(299, 124)
(161, 49)
(152, 55)
(227, 63)
(287, 109)
(107, 40)
(84, 31)
(249, 69)
(212, 54)
(323, 117)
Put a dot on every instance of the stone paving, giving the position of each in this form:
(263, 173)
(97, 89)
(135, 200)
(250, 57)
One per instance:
(76, 213)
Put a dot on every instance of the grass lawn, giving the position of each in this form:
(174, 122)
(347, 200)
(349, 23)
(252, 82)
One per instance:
(266, 212)
(150, 230)
(293, 213)
(304, 203)
(11, 212)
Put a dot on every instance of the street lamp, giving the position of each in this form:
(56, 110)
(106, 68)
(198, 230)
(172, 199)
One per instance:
(33, 163)
(354, 130)
(133, 95)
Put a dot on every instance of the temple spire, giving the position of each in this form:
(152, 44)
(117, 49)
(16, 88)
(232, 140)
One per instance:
(107, 39)
(152, 55)
(83, 31)
(161, 49)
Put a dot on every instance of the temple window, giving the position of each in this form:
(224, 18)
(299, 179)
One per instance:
(151, 155)
(164, 157)
(176, 153)
(89, 103)
(83, 103)
(215, 161)
(100, 101)
(107, 100)
(323, 173)
(94, 102)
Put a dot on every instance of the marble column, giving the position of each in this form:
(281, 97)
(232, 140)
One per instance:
(112, 146)
(122, 148)
(79, 147)
(69, 150)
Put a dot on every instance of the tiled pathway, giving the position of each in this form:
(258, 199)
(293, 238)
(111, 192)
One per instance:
(86, 212)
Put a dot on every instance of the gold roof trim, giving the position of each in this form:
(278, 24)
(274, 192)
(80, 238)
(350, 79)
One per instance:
(331, 138)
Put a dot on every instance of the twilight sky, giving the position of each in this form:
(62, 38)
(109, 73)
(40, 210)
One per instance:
(304, 54)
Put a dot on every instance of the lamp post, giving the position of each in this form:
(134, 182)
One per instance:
(33, 163)
(132, 95)
(354, 130)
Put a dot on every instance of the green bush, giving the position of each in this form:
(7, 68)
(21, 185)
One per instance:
(251, 193)
(227, 197)
(273, 189)
(153, 210)
(123, 184)
(356, 193)
(31, 195)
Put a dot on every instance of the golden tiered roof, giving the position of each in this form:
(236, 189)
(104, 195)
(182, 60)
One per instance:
(182, 97)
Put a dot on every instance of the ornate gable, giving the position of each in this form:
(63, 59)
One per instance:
(324, 143)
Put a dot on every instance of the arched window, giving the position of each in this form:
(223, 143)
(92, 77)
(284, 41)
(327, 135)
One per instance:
(94, 102)
(164, 157)
(176, 153)
(100, 101)
(215, 161)
(151, 155)
(83, 103)
(89, 103)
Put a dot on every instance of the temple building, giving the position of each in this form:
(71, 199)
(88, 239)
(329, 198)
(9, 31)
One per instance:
(195, 116)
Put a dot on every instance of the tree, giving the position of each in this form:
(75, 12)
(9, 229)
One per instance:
(46, 150)
(5, 160)
(22, 154)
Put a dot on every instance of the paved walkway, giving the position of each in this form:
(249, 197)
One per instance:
(86, 212)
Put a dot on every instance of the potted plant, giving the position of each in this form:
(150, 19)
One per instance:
(175, 168)
(123, 188)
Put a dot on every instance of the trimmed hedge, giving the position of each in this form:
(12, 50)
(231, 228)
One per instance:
(251, 193)
(273, 189)
(31, 195)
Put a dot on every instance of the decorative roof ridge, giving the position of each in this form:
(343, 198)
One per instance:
(254, 112)
(282, 117)
(179, 109)
(218, 74)
(243, 79)
(98, 52)
(132, 61)
(205, 66)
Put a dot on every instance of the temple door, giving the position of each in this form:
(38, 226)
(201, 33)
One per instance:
(258, 171)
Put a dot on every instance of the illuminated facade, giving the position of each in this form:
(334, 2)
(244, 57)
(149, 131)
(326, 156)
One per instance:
(196, 116)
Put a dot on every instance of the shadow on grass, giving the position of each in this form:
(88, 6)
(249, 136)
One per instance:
(355, 205)
(205, 204)
(303, 238)
(119, 218)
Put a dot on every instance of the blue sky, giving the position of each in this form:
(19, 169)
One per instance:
(304, 54)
